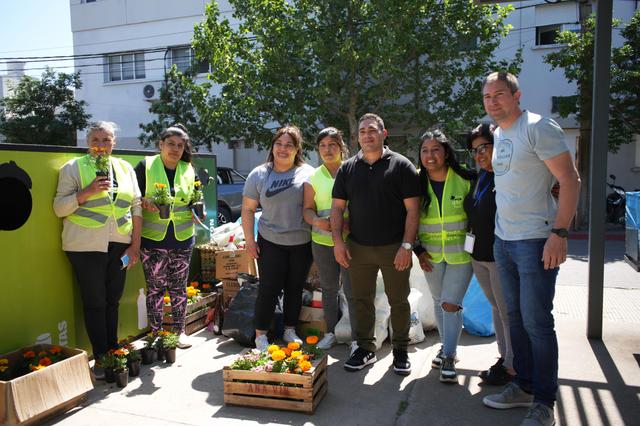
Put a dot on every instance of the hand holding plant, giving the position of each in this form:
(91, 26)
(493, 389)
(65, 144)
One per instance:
(162, 196)
(100, 160)
(196, 194)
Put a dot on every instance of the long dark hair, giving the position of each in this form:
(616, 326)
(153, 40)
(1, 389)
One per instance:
(336, 136)
(484, 130)
(296, 137)
(180, 131)
(450, 159)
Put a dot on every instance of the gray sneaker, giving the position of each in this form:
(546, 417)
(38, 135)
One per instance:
(539, 415)
(511, 397)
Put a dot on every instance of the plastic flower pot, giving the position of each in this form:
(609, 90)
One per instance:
(165, 211)
(122, 377)
(161, 354)
(148, 355)
(170, 355)
(109, 375)
(102, 173)
(134, 368)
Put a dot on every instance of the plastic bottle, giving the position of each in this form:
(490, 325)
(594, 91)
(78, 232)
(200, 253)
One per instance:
(231, 246)
(142, 309)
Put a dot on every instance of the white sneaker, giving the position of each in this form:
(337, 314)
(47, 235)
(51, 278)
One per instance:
(183, 341)
(291, 336)
(262, 343)
(327, 341)
(354, 346)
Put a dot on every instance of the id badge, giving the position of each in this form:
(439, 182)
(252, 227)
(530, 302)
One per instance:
(469, 241)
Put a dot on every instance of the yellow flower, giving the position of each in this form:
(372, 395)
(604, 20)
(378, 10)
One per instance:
(167, 299)
(271, 349)
(160, 185)
(312, 340)
(3, 368)
(4, 361)
(197, 184)
(293, 346)
(296, 354)
(278, 355)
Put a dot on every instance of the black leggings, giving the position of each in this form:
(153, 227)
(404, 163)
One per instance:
(281, 267)
(101, 282)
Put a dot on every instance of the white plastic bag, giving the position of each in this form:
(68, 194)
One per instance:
(425, 302)
(416, 333)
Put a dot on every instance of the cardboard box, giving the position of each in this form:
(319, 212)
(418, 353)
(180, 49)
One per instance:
(311, 321)
(53, 390)
(229, 263)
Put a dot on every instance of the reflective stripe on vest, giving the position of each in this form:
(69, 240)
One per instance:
(443, 236)
(95, 212)
(322, 183)
(155, 228)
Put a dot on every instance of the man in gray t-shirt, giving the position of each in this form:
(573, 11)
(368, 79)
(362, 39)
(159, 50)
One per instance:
(531, 241)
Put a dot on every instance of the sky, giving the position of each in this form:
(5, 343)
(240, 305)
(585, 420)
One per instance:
(35, 28)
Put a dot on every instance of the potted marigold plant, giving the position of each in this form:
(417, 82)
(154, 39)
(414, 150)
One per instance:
(120, 367)
(100, 160)
(5, 370)
(149, 350)
(162, 199)
(196, 201)
(109, 365)
(133, 361)
(169, 345)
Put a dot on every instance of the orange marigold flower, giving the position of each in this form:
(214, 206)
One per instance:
(312, 340)
(45, 361)
(55, 350)
(205, 285)
(304, 365)
(278, 355)
(167, 299)
(36, 367)
(195, 284)
(293, 346)
(287, 351)
(29, 354)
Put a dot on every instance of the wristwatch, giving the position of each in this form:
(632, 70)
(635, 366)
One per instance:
(560, 232)
(407, 246)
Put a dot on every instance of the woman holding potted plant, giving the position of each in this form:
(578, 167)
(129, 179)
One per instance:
(99, 199)
(167, 241)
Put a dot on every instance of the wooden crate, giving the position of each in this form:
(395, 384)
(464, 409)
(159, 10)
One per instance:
(294, 392)
(194, 321)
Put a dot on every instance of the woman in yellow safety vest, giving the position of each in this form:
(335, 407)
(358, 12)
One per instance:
(442, 231)
(316, 212)
(167, 244)
(99, 199)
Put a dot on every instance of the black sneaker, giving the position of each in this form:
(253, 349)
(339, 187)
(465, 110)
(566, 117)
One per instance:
(360, 359)
(437, 361)
(448, 371)
(401, 364)
(497, 375)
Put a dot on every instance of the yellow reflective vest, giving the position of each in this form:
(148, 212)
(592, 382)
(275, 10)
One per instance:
(95, 212)
(155, 228)
(322, 183)
(443, 235)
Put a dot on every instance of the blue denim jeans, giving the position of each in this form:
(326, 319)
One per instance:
(448, 283)
(528, 291)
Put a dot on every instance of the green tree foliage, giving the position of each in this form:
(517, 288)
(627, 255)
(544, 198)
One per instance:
(314, 63)
(43, 111)
(576, 59)
(178, 101)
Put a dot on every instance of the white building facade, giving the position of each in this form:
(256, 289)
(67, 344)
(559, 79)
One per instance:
(133, 42)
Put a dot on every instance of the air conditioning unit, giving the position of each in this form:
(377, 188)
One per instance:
(148, 91)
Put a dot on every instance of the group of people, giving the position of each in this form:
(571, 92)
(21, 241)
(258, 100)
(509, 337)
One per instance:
(358, 216)
(111, 223)
(355, 217)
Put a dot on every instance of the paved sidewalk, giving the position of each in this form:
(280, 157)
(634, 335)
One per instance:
(599, 382)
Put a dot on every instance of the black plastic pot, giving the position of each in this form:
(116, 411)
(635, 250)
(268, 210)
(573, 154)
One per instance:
(198, 209)
(170, 355)
(148, 355)
(161, 354)
(165, 211)
(122, 377)
(134, 368)
(109, 375)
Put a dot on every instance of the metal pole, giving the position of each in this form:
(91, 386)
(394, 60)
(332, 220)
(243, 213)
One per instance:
(599, 149)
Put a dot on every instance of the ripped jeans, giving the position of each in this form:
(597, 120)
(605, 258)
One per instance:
(448, 284)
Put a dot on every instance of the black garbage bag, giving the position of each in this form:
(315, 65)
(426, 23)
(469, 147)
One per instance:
(239, 318)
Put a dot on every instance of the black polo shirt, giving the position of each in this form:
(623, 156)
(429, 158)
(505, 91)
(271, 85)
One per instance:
(375, 195)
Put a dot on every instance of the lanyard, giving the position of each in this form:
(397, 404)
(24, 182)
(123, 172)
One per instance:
(477, 196)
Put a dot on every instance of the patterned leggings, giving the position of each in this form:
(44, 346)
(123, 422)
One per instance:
(166, 270)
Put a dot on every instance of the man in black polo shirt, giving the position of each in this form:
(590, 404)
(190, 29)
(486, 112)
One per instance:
(381, 188)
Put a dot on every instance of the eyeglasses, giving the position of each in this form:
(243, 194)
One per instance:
(480, 149)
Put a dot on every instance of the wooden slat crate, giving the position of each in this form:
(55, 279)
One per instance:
(294, 392)
(194, 321)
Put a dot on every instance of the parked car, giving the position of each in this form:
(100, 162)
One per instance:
(230, 185)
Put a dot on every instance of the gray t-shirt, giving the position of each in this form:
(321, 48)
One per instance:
(280, 196)
(525, 207)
